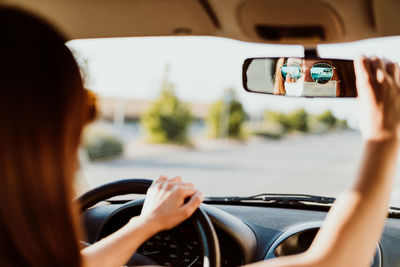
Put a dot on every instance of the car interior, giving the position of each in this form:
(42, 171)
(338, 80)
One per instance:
(232, 230)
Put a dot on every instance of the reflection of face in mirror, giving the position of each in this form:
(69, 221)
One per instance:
(314, 77)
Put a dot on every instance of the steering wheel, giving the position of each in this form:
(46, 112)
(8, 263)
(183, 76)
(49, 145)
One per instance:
(200, 219)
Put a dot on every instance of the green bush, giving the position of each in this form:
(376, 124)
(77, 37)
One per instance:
(268, 130)
(298, 120)
(101, 144)
(279, 118)
(167, 119)
(342, 124)
(328, 119)
(225, 118)
(294, 121)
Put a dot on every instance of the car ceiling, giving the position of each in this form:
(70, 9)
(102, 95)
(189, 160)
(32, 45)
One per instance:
(264, 21)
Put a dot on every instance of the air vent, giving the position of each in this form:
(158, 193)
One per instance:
(299, 238)
(297, 243)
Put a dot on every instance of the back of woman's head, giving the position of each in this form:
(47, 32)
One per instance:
(42, 112)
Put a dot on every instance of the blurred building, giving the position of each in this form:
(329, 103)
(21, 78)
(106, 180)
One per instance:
(131, 109)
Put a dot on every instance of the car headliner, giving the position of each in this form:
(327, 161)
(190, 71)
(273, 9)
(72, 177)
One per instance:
(265, 21)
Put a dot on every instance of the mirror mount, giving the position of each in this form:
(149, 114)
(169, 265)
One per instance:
(311, 53)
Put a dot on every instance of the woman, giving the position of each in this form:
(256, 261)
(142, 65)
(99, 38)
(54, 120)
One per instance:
(44, 107)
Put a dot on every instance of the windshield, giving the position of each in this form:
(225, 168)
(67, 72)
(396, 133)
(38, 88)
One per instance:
(175, 106)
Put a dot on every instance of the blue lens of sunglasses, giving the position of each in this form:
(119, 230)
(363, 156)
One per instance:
(321, 72)
(290, 73)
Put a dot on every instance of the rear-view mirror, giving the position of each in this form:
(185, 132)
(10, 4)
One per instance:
(300, 77)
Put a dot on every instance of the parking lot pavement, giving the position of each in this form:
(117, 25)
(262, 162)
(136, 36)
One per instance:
(311, 164)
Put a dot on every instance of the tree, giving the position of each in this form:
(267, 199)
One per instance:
(226, 116)
(167, 119)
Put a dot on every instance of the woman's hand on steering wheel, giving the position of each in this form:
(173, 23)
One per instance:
(164, 207)
(165, 204)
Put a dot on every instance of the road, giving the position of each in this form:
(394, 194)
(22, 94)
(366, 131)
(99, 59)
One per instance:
(309, 164)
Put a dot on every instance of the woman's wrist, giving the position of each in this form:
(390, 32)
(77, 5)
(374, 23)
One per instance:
(149, 224)
(390, 144)
(385, 137)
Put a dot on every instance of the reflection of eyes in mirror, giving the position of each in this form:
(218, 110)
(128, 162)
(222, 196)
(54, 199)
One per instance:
(291, 73)
(303, 80)
(321, 72)
(301, 77)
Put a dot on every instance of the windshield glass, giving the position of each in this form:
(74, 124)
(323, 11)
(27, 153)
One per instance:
(175, 106)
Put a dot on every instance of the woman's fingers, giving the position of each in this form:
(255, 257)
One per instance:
(185, 191)
(396, 75)
(165, 201)
(376, 64)
(190, 207)
(176, 179)
(362, 67)
(186, 185)
(175, 183)
(176, 186)
(160, 179)
(164, 179)
(390, 67)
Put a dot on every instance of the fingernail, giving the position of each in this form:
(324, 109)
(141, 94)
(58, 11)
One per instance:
(201, 195)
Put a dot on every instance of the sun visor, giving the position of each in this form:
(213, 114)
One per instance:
(290, 21)
(386, 17)
(121, 18)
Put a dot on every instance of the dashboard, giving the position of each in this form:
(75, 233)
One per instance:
(246, 233)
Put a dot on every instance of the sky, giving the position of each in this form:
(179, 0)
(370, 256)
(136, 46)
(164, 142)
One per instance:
(201, 68)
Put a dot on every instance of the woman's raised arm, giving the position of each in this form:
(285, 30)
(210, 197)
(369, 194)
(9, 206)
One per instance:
(354, 225)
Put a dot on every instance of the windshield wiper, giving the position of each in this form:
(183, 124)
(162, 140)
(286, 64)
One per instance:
(277, 199)
(287, 199)
(395, 209)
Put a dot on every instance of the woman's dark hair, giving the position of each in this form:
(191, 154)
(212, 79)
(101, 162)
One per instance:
(43, 108)
(347, 77)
